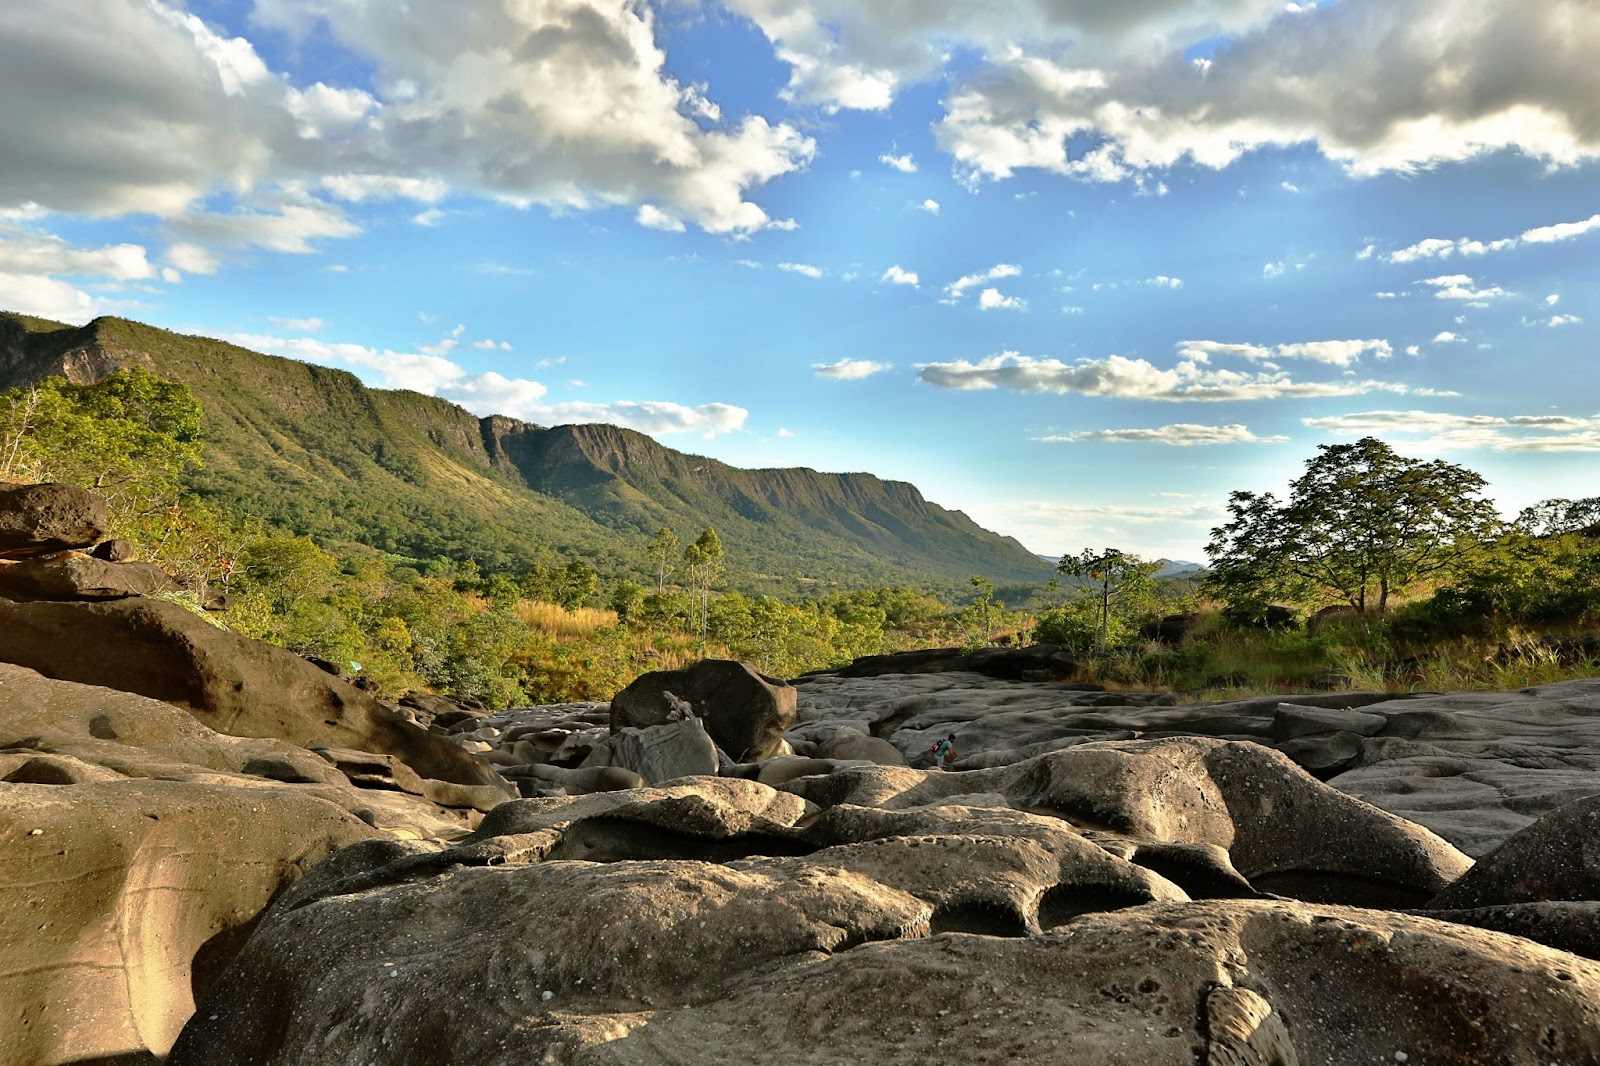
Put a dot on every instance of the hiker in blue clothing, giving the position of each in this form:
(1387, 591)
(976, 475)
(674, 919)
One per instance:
(944, 752)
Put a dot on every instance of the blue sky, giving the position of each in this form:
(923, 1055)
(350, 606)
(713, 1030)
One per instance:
(1076, 269)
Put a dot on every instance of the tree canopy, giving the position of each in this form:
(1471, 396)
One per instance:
(1115, 576)
(1361, 524)
(129, 435)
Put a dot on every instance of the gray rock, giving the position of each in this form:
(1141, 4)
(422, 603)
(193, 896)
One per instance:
(1292, 720)
(1555, 858)
(659, 753)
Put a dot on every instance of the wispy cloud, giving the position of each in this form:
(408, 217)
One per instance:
(1461, 287)
(801, 268)
(1181, 434)
(1445, 247)
(994, 273)
(1515, 433)
(1334, 352)
(850, 369)
(1134, 379)
(301, 325)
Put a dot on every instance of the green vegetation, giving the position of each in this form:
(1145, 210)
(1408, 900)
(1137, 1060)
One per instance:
(311, 451)
(1361, 524)
(1425, 587)
(1119, 582)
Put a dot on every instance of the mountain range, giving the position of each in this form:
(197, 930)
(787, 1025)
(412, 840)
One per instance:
(313, 450)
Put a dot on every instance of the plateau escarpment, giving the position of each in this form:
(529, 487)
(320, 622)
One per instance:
(418, 475)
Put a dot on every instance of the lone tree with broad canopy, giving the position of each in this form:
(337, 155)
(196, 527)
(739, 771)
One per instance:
(1115, 576)
(1361, 524)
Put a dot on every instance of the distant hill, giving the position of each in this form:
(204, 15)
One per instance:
(314, 450)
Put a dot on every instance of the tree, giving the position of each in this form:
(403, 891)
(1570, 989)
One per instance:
(576, 585)
(129, 436)
(1117, 578)
(1361, 524)
(661, 551)
(703, 559)
(978, 619)
(627, 599)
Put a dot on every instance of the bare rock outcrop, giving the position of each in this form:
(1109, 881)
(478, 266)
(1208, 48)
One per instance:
(121, 901)
(231, 683)
(42, 519)
(858, 934)
(76, 576)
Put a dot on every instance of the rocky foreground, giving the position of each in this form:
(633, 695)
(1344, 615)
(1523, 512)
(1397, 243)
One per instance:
(219, 853)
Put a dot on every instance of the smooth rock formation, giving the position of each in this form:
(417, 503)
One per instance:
(232, 684)
(745, 712)
(1555, 858)
(121, 901)
(858, 934)
(1473, 767)
(659, 753)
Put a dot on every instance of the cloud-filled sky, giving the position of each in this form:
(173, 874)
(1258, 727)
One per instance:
(1076, 268)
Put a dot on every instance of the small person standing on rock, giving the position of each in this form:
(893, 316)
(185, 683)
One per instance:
(944, 752)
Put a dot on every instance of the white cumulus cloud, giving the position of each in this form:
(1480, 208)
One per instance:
(896, 276)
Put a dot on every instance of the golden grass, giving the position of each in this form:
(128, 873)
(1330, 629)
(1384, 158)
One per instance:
(554, 620)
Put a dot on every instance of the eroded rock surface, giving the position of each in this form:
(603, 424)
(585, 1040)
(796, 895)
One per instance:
(233, 684)
(669, 920)
(40, 519)
(1103, 878)
(121, 900)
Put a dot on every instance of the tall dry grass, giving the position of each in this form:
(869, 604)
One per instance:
(554, 620)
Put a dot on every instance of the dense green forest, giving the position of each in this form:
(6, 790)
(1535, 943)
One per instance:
(1376, 571)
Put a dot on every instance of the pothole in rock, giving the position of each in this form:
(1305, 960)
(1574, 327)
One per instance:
(1063, 903)
(982, 917)
(1196, 874)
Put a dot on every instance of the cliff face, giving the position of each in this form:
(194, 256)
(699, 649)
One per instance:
(313, 449)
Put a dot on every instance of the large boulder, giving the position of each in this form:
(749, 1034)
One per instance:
(1271, 817)
(231, 683)
(40, 519)
(75, 576)
(121, 902)
(744, 711)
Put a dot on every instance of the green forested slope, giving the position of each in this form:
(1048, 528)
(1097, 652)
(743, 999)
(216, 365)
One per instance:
(315, 451)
